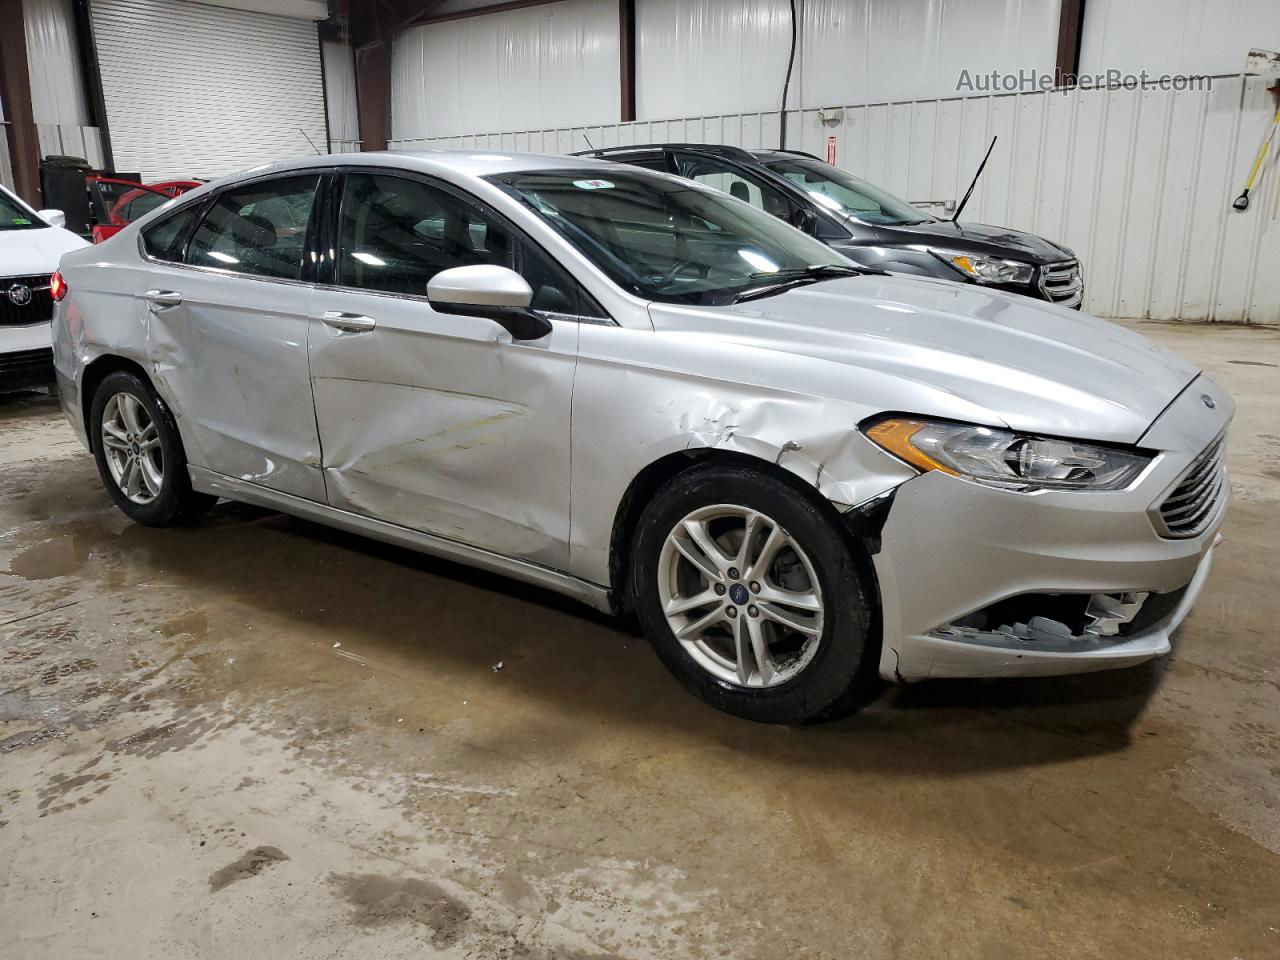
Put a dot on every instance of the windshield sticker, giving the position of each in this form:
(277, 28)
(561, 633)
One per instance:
(593, 184)
(21, 222)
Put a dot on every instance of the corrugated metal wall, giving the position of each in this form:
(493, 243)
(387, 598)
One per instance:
(1138, 182)
(57, 90)
(340, 97)
(556, 62)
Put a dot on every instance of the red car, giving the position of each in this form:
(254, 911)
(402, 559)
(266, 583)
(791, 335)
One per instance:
(117, 203)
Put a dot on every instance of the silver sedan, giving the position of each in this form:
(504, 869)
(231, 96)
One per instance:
(653, 397)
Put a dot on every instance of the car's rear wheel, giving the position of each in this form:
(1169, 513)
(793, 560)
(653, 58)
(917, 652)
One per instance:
(139, 453)
(751, 595)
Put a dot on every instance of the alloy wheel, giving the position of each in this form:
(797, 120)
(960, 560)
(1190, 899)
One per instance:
(740, 595)
(131, 443)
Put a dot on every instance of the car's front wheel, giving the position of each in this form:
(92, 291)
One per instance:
(751, 595)
(139, 453)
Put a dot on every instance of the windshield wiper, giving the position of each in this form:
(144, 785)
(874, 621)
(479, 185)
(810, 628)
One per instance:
(786, 279)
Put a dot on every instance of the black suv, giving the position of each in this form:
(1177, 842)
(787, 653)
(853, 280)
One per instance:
(866, 224)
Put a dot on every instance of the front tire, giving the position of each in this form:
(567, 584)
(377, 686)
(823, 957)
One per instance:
(139, 453)
(751, 595)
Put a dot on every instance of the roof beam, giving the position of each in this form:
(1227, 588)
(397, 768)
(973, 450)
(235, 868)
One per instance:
(1070, 33)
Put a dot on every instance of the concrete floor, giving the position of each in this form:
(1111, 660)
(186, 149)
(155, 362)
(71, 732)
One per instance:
(261, 738)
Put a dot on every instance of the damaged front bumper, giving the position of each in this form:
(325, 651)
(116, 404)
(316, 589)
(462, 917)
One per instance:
(1043, 646)
(977, 581)
(980, 582)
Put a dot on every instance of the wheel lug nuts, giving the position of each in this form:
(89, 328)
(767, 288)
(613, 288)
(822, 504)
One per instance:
(733, 573)
(755, 587)
(731, 611)
(753, 611)
(719, 589)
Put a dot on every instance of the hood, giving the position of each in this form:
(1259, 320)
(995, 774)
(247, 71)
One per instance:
(977, 238)
(899, 344)
(24, 253)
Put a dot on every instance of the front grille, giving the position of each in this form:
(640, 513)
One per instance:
(38, 305)
(1194, 500)
(1060, 283)
(22, 369)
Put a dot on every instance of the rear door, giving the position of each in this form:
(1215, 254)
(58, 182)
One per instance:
(438, 422)
(228, 316)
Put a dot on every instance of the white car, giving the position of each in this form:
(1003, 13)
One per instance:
(31, 244)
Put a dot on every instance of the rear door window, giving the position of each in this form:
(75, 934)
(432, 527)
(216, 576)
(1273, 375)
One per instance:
(260, 229)
(163, 240)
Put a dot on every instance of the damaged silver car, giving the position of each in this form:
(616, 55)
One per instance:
(651, 396)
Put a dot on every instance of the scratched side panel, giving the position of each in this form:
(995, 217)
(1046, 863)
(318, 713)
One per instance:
(234, 354)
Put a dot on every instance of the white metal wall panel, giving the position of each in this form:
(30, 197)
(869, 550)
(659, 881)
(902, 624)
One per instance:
(1138, 182)
(199, 90)
(540, 66)
(713, 57)
(340, 97)
(1176, 36)
(869, 51)
(709, 57)
(57, 90)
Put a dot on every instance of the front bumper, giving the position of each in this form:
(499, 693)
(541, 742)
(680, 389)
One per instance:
(952, 548)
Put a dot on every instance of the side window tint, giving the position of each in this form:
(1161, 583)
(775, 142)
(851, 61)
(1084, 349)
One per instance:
(728, 179)
(396, 234)
(162, 240)
(259, 229)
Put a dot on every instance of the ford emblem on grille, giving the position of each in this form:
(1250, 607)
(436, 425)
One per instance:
(1208, 401)
(19, 294)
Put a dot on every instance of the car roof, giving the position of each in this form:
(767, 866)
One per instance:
(464, 163)
(721, 149)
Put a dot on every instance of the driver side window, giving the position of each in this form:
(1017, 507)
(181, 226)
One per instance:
(395, 234)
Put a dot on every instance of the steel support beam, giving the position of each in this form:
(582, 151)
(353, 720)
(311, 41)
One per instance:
(15, 89)
(373, 94)
(627, 58)
(87, 45)
(1070, 33)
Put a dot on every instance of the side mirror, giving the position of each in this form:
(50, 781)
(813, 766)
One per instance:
(496, 293)
(805, 219)
(55, 218)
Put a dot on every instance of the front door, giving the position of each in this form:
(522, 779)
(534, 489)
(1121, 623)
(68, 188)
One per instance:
(437, 422)
(228, 341)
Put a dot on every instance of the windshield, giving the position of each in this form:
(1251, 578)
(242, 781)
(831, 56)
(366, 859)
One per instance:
(844, 193)
(664, 239)
(15, 216)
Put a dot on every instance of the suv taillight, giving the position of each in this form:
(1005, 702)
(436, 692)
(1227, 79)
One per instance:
(57, 286)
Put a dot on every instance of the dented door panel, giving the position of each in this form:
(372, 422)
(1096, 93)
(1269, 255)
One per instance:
(233, 354)
(442, 424)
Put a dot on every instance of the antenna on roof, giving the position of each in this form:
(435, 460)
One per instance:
(310, 141)
(588, 139)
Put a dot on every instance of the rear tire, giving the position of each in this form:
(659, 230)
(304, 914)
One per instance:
(139, 453)
(769, 618)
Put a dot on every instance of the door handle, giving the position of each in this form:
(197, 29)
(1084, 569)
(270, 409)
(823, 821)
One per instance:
(347, 322)
(163, 298)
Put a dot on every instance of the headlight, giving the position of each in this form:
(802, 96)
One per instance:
(987, 269)
(1002, 458)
